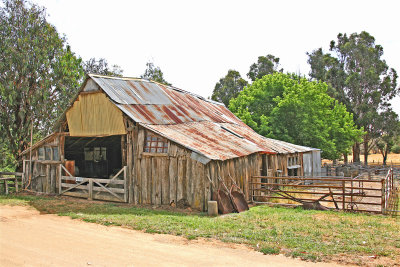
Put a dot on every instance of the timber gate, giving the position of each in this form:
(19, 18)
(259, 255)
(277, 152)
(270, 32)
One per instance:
(112, 189)
(344, 193)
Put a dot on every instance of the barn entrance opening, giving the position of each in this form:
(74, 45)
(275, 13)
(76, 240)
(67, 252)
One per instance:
(95, 157)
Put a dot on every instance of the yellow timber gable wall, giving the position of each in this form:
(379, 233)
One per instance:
(93, 114)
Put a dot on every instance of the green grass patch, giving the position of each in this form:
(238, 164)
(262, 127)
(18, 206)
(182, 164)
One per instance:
(310, 235)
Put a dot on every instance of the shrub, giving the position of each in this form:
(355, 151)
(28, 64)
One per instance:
(396, 149)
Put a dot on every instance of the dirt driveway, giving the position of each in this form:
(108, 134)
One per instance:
(30, 239)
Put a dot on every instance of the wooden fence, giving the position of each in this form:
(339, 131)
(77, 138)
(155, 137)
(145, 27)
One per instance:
(11, 179)
(113, 189)
(345, 193)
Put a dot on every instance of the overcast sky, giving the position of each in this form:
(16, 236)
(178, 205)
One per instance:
(196, 42)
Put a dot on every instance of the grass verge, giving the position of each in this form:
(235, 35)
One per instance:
(310, 235)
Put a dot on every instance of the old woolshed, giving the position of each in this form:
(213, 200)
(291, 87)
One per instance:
(139, 141)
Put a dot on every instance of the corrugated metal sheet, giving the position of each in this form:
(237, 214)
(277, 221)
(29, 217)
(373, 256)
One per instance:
(95, 115)
(274, 145)
(209, 139)
(201, 125)
(152, 103)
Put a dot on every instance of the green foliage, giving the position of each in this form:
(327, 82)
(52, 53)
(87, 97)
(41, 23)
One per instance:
(270, 250)
(396, 149)
(265, 65)
(358, 77)
(293, 109)
(101, 67)
(39, 73)
(228, 87)
(389, 129)
(154, 73)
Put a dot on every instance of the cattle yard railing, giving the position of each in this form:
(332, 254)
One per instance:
(11, 180)
(112, 189)
(344, 193)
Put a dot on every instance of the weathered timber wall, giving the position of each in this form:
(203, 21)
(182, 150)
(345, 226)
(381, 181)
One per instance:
(163, 178)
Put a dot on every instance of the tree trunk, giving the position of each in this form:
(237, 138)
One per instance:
(356, 152)
(366, 148)
(345, 159)
(385, 156)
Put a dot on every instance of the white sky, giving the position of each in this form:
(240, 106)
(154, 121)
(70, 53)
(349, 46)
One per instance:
(196, 42)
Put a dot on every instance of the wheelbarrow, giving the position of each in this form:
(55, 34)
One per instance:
(238, 200)
(223, 198)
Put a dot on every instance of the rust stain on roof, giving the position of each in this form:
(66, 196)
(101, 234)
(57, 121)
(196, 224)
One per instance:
(189, 119)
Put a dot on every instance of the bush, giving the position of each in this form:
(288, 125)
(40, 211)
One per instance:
(396, 149)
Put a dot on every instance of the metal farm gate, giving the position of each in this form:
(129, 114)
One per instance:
(344, 193)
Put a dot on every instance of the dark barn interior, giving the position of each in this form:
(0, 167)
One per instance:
(97, 157)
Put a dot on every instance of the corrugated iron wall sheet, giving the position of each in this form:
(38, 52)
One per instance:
(94, 115)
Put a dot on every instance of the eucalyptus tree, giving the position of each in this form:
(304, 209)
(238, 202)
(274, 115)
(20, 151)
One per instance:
(359, 78)
(38, 73)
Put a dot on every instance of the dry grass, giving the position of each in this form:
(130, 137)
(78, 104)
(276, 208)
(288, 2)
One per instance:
(373, 158)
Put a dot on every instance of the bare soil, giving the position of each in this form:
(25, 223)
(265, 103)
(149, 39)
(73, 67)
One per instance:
(28, 238)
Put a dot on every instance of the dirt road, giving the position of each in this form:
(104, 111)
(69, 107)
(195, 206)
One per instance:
(30, 239)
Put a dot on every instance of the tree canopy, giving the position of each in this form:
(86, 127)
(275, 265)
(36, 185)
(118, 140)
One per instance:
(154, 73)
(39, 73)
(388, 126)
(101, 67)
(359, 78)
(228, 87)
(291, 108)
(263, 66)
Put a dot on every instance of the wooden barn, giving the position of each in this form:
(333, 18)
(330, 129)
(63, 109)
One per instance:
(138, 141)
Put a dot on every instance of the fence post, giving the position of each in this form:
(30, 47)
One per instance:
(60, 179)
(383, 196)
(344, 196)
(16, 184)
(90, 197)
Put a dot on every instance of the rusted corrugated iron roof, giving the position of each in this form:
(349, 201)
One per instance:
(209, 139)
(201, 125)
(277, 146)
(153, 103)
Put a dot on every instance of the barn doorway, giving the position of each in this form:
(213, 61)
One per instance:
(94, 157)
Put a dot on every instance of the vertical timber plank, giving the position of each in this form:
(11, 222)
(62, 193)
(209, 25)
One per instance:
(172, 173)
